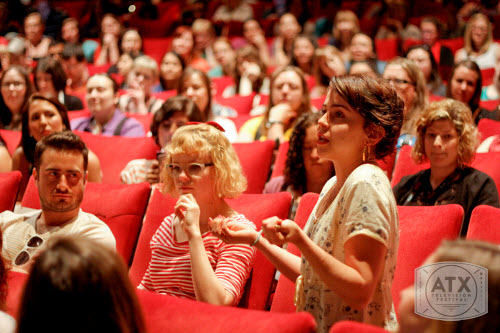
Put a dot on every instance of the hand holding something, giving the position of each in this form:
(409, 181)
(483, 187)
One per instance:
(108, 39)
(282, 112)
(251, 70)
(153, 175)
(188, 212)
(231, 232)
(279, 232)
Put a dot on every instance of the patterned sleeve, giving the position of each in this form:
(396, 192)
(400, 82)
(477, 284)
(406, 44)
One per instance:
(235, 264)
(370, 208)
(135, 171)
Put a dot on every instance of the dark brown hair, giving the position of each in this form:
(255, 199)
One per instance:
(472, 65)
(187, 74)
(54, 68)
(61, 141)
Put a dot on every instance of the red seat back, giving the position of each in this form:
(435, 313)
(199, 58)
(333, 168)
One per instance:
(285, 290)
(406, 165)
(355, 327)
(387, 49)
(487, 128)
(280, 161)
(487, 74)
(242, 104)
(489, 163)
(485, 224)
(255, 158)
(255, 207)
(114, 152)
(421, 230)
(12, 139)
(121, 207)
(9, 186)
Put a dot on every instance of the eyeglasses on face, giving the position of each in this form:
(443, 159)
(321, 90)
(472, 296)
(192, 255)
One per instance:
(191, 169)
(16, 85)
(400, 82)
(24, 255)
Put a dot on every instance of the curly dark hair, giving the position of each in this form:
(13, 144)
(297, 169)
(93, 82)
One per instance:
(378, 102)
(295, 172)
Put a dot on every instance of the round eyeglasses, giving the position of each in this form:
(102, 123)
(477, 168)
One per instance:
(191, 169)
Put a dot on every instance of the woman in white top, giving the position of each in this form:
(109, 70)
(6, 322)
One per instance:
(349, 244)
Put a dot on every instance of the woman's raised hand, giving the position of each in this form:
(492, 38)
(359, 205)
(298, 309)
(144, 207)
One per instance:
(232, 232)
(279, 232)
(282, 112)
(188, 212)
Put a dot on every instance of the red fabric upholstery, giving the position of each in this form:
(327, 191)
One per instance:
(453, 44)
(485, 224)
(167, 313)
(15, 283)
(9, 186)
(421, 230)
(78, 114)
(489, 163)
(255, 207)
(387, 48)
(121, 207)
(156, 47)
(279, 162)
(285, 290)
(242, 104)
(114, 152)
(355, 327)
(255, 158)
(164, 95)
(487, 75)
(12, 139)
(405, 165)
(487, 128)
(93, 69)
(144, 119)
(387, 164)
(489, 105)
(222, 83)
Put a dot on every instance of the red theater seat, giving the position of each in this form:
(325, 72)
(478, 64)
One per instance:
(165, 313)
(15, 283)
(256, 207)
(242, 104)
(387, 49)
(405, 165)
(280, 161)
(485, 224)
(421, 230)
(222, 83)
(255, 158)
(12, 139)
(121, 207)
(355, 327)
(9, 186)
(487, 75)
(285, 290)
(487, 128)
(114, 152)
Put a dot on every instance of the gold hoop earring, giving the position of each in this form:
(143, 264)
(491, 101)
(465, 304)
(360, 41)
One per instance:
(366, 153)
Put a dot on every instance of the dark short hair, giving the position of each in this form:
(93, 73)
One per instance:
(377, 102)
(61, 141)
(114, 85)
(54, 68)
(173, 105)
(472, 65)
(73, 50)
(27, 141)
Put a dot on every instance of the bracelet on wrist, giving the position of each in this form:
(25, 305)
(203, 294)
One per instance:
(259, 234)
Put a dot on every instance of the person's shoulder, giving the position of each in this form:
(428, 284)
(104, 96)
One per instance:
(477, 175)
(132, 127)
(79, 123)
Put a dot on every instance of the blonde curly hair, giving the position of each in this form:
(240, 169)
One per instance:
(207, 141)
(461, 117)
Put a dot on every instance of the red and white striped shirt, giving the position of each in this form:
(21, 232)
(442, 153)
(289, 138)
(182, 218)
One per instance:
(169, 271)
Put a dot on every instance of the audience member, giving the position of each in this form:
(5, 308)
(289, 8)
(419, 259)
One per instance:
(176, 112)
(5, 159)
(329, 63)
(492, 92)
(254, 34)
(60, 174)
(345, 26)
(303, 54)
(233, 10)
(75, 67)
(479, 44)
(183, 45)
(465, 85)
(42, 116)
(288, 29)
(37, 45)
(410, 82)
(204, 37)
(475, 252)
(7, 322)
(422, 56)
(171, 69)
(50, 80)
(288, 100)
(431, 30)
(364, 67)
(447, 138)
(131, 42)
(304, 170)
(70, 34)
(17, 53)
(362, 48)
(106, 119)
(491, 143)
(55, 49)
(360, 123)
(87, 283)
(202, 171)
(225, 57)
(16, 88)
(195, 85)
(142, 77)
(108, 51)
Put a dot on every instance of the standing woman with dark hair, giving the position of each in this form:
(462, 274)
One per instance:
(42, 116)
(304, 170)
(50, 80)
(350, 242)
(16, 88)
(86, 283)
(465, 85)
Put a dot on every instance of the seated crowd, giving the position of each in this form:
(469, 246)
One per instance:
(339, 112)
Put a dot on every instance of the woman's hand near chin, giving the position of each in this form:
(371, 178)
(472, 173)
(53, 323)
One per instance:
(188, 212)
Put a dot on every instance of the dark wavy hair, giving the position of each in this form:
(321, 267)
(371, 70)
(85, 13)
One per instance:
(27, 141)
(295, 171)
(378, 102)
(54, 68)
